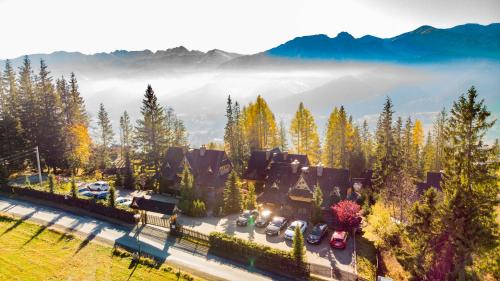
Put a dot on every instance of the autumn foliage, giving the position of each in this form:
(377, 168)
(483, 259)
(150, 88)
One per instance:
(347, 214)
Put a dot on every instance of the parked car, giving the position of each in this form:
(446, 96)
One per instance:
(290, 231)
(276, 226)
(263, 219)
(99, 186)
(317, 233)
(123, 201)
(101, 195)
(82, 189)
(339, 239)
(87, 193)
(247, 216)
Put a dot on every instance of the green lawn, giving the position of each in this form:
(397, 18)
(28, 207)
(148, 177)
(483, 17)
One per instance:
(366, 258)
(32, 252)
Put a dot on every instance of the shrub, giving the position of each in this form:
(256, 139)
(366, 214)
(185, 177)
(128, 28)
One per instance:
(112, 196)
(51, 183)
(118, 180)
(347, 214)
(198, 208)
(298, 251)
(73, 188)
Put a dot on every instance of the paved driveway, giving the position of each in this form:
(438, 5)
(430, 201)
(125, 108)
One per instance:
(321, 254)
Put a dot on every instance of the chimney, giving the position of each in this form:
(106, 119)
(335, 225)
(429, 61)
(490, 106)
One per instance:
(319, 169)
(203, 149)
(305, 170)
(295, 166)
(268, 154)
(285, 155)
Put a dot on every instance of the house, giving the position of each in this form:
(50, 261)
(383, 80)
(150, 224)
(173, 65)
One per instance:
(289, 187)
(434, 179)
(260, 163)
(209, 167)
(364, 181)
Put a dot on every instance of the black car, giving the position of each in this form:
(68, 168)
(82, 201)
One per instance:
(263, 219)
(317, 233)
(247, 216)
(276, 226)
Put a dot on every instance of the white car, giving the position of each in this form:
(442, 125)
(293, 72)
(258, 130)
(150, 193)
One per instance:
(290, 231)
(99, 186)
(123, 201)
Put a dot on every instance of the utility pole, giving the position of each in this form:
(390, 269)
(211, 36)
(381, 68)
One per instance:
(38, 164)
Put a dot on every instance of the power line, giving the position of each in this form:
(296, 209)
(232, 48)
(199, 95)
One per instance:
(17, 155)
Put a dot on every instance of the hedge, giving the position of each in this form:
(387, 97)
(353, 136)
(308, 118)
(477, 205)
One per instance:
(89, 205)
(258, 255)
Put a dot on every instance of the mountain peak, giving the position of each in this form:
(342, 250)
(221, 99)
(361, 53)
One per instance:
(344, 36)
(424, 29)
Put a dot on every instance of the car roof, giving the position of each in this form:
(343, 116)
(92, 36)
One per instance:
(100, 182)
(338, 234)
(278, 218)
(298, 222)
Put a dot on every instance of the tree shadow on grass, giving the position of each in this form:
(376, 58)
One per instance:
(89, 238)
(133, 264)
(42, 228)
(19, 222)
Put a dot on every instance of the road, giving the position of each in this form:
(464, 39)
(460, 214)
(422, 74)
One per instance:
(91, 229)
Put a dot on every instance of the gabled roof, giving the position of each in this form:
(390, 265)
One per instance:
(260, 161)
(205, 168)
(281, 176)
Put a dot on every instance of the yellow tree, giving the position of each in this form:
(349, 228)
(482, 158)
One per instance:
(418, 141)
(79, 146)
(259, 125)
(330, 138)
(304, 134)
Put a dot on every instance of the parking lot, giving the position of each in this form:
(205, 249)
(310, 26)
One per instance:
(321, 254)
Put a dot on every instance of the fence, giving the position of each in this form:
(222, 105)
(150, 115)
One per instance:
(182, 231)
(89, 205)
(155, 220)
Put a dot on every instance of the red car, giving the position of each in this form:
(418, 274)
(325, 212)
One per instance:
(339, 239)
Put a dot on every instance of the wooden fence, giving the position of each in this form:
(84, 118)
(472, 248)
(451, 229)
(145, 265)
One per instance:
(155, 220)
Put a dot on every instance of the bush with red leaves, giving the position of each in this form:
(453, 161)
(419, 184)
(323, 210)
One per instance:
(347, 214)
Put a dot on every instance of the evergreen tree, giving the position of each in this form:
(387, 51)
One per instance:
(428, 154)
(29, 111)
(423, 228)
(304, 134)
(233, 136)
(251, 198)
(331, 144)
(385, 164)
(50, 136)
(232, 195)
(367, 145)
(418, 141)
(439, 141)
(106, 136)
(298, 249)
(471, 184)
(408, 160)
(125, 133)
(317, 202)
(186, 189)
(112, 196)
(283, 140)
(75, 105)
(150, 134)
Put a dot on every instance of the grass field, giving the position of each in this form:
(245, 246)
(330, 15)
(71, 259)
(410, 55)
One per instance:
(32, 252)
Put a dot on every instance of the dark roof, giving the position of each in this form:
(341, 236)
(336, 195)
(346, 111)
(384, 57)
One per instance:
(209, 170)
(280, 183)
(260, 161)
(434, 179)
(150, 205)
(365, 179)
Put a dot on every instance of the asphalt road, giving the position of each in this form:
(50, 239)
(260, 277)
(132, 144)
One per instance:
(191, 260)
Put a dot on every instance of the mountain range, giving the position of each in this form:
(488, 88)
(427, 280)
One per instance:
(424, 44)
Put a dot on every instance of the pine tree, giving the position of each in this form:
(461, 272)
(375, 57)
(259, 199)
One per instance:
(125, 133)
(75, 105)
(186, 188)
(423, 228)
(106, 136)
(112, 196)
(304, 134)
(150, 134)
(470, 185)
(317, 202)
(234, 140)
(439, 141)
(428, 153)
(251, 198)
(418, 141)
(29, 104)
(298, 249)
(283, 140)
(408, 160)
(367, 145)
(50, 136)
(385, 164)
(129, 177)
(332, 134)
(232, 195)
